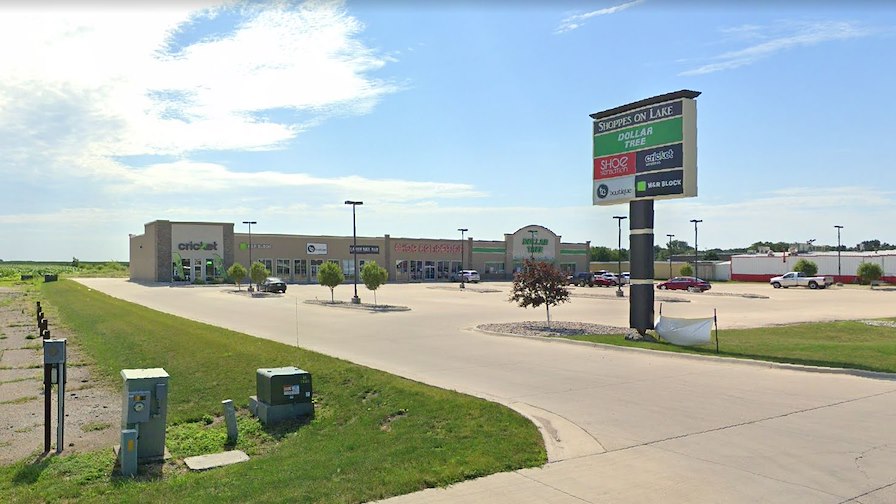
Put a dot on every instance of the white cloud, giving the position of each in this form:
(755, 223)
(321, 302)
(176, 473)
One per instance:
(578, 20)
(778, 38)
(127, 83)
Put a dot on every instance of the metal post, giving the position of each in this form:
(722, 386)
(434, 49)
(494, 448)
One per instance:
(250, 241)
(230, 420)
(60, 407)
(695, 221)
(355, 299)
(838, 252)
(460, 272)
(670, 255)
(532, 233)
(619, 219)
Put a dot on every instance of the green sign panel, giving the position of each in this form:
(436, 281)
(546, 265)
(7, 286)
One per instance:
(638, 137)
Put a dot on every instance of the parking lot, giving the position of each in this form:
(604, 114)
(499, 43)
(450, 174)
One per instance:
(620, 425)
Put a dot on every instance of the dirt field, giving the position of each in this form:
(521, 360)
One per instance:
(92, 411)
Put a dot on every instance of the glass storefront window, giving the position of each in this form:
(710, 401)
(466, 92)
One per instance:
(283, 268)
(493, 268)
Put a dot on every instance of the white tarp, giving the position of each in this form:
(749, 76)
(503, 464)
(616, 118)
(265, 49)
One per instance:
(684, 332)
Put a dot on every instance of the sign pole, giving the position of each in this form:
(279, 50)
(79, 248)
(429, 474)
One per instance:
(641, 299)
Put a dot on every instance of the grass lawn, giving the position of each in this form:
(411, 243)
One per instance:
(833, 344)
(373, 435)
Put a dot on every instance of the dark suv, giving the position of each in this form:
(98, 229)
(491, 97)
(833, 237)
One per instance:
(581, 279)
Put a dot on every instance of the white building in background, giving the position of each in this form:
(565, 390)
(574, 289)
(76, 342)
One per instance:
(761, 267)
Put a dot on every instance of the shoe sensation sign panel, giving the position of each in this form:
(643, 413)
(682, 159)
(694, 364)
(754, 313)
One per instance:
(646, 151)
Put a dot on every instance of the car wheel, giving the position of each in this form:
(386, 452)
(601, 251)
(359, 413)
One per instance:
(661, 287)
(776, 285)
(813, 285)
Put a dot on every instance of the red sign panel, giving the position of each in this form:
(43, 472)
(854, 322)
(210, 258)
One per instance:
(618, 165)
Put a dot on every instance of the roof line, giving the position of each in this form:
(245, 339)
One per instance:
(684, 93)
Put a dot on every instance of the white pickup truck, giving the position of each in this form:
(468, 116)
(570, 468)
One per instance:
(799, 279)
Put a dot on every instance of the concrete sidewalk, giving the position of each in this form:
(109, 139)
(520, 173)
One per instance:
(619, 426)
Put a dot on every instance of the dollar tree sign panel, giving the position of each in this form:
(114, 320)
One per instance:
(646, 150)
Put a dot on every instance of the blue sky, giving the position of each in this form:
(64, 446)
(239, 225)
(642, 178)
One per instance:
(461, 115)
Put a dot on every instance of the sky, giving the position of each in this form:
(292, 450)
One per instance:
(437, 115)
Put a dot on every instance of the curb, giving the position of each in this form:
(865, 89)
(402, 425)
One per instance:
(861, 373)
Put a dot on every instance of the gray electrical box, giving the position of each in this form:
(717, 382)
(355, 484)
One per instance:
(285, 385)
(144, 409)
(54, 351)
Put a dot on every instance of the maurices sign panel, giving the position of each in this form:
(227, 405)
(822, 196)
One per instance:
(646, 151)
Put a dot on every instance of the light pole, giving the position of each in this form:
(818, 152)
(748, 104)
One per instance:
(619, 219)
(695, 221)
(461, 272)
(356, 299)
(838, 250)
(250, 241)
(532, 233)
(670, 255)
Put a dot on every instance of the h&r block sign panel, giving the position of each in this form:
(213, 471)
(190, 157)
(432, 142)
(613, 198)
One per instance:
(646, 153)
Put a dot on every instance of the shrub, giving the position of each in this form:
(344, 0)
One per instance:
(805, 267)
(686, 270)
(869, 272)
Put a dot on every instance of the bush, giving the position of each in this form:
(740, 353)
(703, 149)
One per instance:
(686, 270)
(805, 267)
(869, 272)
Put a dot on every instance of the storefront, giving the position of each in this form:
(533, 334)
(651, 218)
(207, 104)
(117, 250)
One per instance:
(198, 252)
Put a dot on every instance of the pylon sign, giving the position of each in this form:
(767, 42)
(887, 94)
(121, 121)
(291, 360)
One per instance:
(646, 150)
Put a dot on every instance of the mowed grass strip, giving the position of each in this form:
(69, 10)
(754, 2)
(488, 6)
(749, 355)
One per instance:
(846, 344)
(374, 435)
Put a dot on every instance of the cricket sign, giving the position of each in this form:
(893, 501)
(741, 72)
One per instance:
(646, 150)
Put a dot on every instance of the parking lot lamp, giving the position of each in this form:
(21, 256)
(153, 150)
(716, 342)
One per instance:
(461, 271)
(250, 240)
(838, 250)
(532, 233)
(670, 255)
(619, 219)
(695, 221)
(355, 299)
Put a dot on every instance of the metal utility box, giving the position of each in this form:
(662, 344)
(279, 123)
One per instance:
(54, 351)
(144, 408)
(285, 385)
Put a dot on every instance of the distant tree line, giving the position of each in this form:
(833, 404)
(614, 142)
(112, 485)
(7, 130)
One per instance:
(662, 252)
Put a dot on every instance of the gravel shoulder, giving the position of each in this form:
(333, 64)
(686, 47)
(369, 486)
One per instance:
(92, 409)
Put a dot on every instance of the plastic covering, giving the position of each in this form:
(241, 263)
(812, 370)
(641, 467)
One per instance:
(684, 332)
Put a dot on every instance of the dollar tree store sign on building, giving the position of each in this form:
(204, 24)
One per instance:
(647, 152)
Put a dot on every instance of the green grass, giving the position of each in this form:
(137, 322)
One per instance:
(832, 344)
(373, 435)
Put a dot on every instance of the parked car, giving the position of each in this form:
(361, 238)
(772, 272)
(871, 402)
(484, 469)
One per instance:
(602, 281)
(799, 279)
(692, 284)
(626, 277)
(273, 284)
(611, 277)
(465, 276)
(581, 279)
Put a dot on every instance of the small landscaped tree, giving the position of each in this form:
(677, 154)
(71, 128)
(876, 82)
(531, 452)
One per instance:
(257, 272)
(686, 270)
(330, 275)
(539, 283)
(805, 267)
(237, 272)
(373, 275)
(869, 272)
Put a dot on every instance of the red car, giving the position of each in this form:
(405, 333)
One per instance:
(602, 281)
(685, 283)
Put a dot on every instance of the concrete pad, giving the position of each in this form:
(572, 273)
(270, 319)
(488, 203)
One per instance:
(205, 462)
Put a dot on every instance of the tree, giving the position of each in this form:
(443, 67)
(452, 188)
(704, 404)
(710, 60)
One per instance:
(686, 270)
(237, 272)
(539, 283)
(75, 262)
(869, 272)
(330, 275)
(808, 268)
(711, 255)
(257, 272)
(373, 275)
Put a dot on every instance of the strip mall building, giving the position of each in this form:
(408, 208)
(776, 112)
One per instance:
(189, 251)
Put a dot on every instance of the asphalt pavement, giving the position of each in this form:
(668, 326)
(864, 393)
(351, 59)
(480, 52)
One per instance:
(620, 425)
